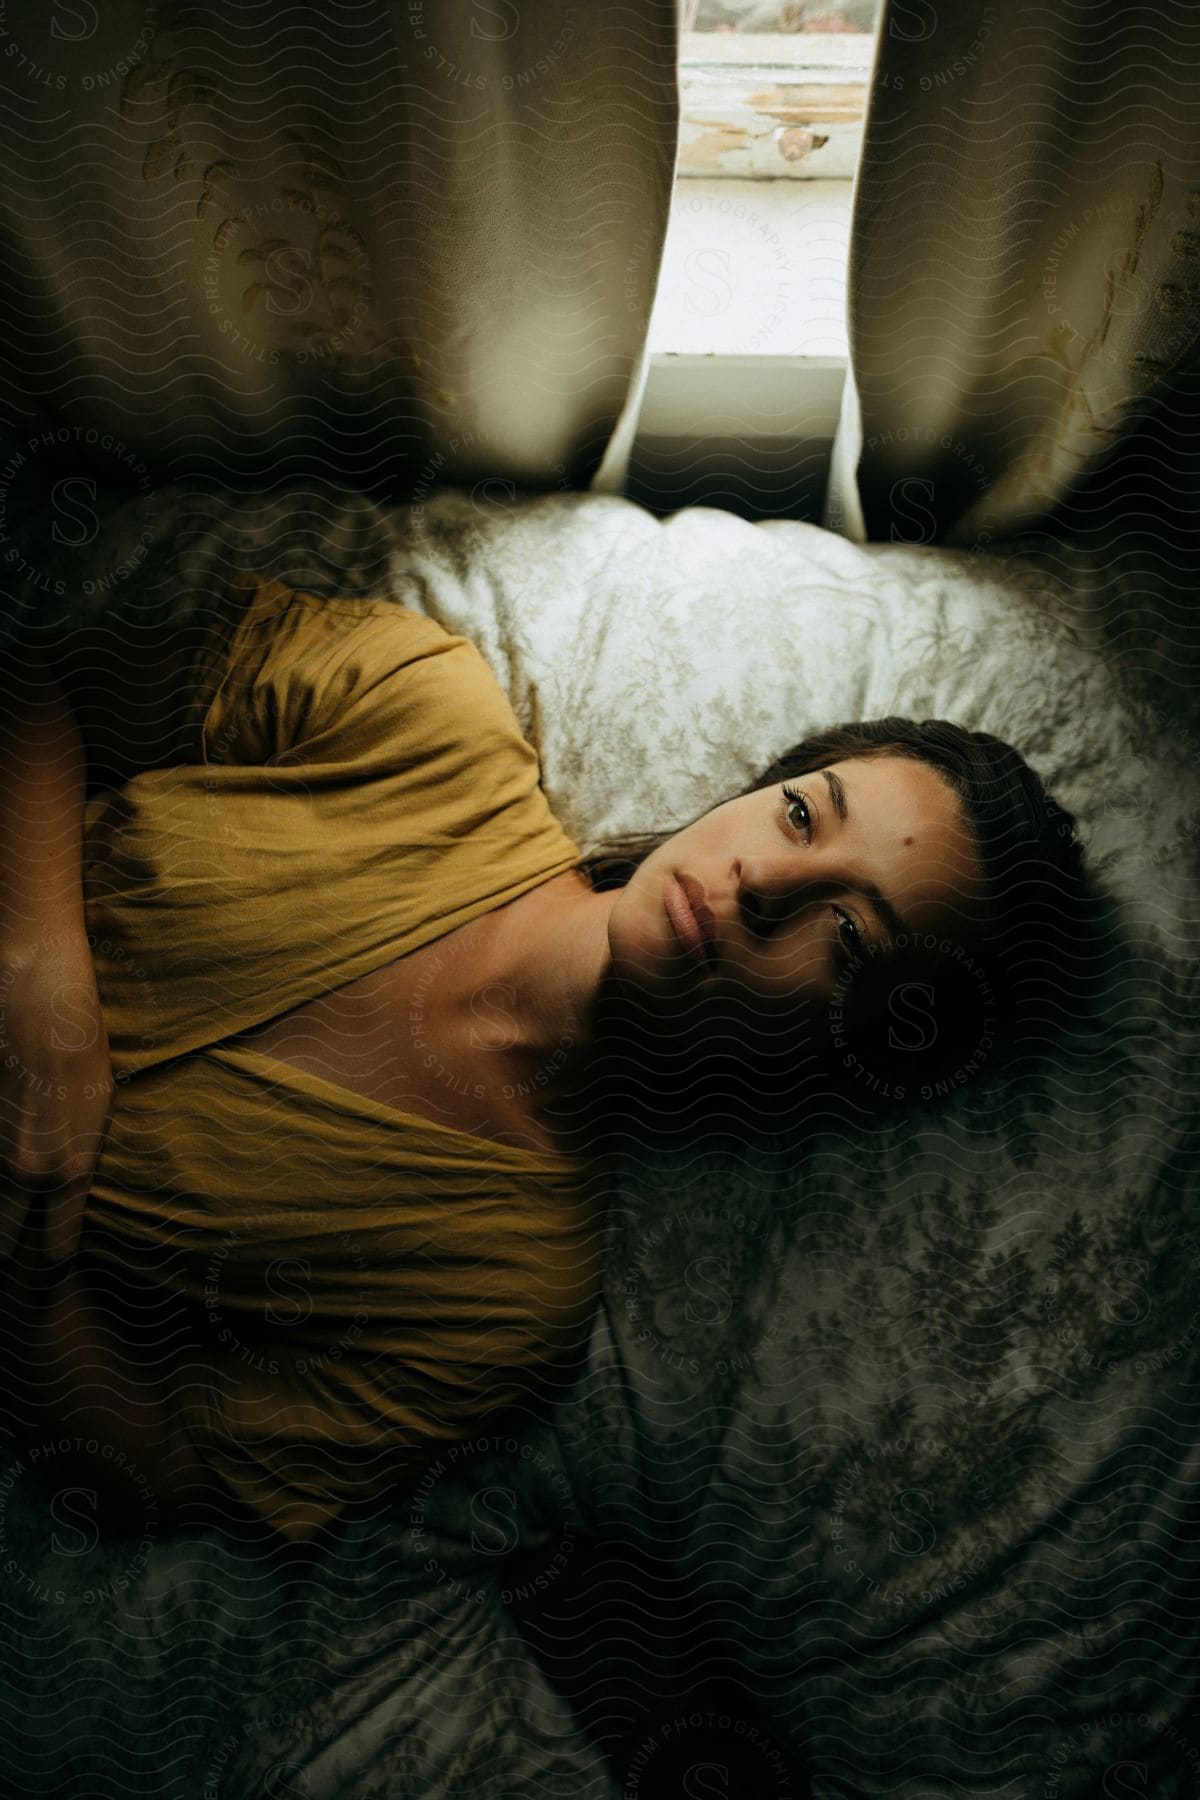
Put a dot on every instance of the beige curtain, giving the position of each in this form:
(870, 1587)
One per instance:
(1025, 258)
(392, 242)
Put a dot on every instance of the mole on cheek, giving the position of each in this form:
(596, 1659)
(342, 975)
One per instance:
(908, 840)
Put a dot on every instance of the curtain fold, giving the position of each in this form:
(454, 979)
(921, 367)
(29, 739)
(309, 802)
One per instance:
(1025, 258)
(399, 243)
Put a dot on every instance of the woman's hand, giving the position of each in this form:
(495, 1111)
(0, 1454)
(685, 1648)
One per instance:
(56, 1088)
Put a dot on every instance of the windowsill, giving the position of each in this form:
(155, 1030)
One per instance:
(754, 268)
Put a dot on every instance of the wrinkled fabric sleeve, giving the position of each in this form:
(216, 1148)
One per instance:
(360, 786)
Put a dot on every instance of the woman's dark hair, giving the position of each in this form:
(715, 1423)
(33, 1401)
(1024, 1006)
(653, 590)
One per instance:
(1013, 978)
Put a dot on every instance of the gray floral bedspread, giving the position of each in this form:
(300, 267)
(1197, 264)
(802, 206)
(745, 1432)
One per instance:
(913, 1411)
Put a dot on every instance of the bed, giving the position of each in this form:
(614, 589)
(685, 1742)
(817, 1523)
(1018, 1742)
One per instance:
(907, 1422)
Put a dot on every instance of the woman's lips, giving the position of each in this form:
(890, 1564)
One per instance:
(683, 920)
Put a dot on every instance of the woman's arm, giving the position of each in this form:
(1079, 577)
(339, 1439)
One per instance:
(70, 1371)
(97, 709)
(55, 1068)
(43, 775)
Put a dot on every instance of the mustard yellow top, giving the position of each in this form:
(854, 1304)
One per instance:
(372, 1284)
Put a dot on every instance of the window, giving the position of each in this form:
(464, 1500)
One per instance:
(773, 94)
(747, 343)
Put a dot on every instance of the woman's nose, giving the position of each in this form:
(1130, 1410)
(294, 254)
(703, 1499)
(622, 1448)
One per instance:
(771, 889)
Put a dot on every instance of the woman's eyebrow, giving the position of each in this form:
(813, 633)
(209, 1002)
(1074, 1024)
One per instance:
(837, 794)
(887, 912)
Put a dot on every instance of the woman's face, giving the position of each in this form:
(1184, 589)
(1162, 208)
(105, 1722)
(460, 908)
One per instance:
(863, 856)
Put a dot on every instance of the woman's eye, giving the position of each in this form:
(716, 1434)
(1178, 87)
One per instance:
(853, 943)
(793, 801)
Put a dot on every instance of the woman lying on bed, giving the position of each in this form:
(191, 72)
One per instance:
(317, 1026)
